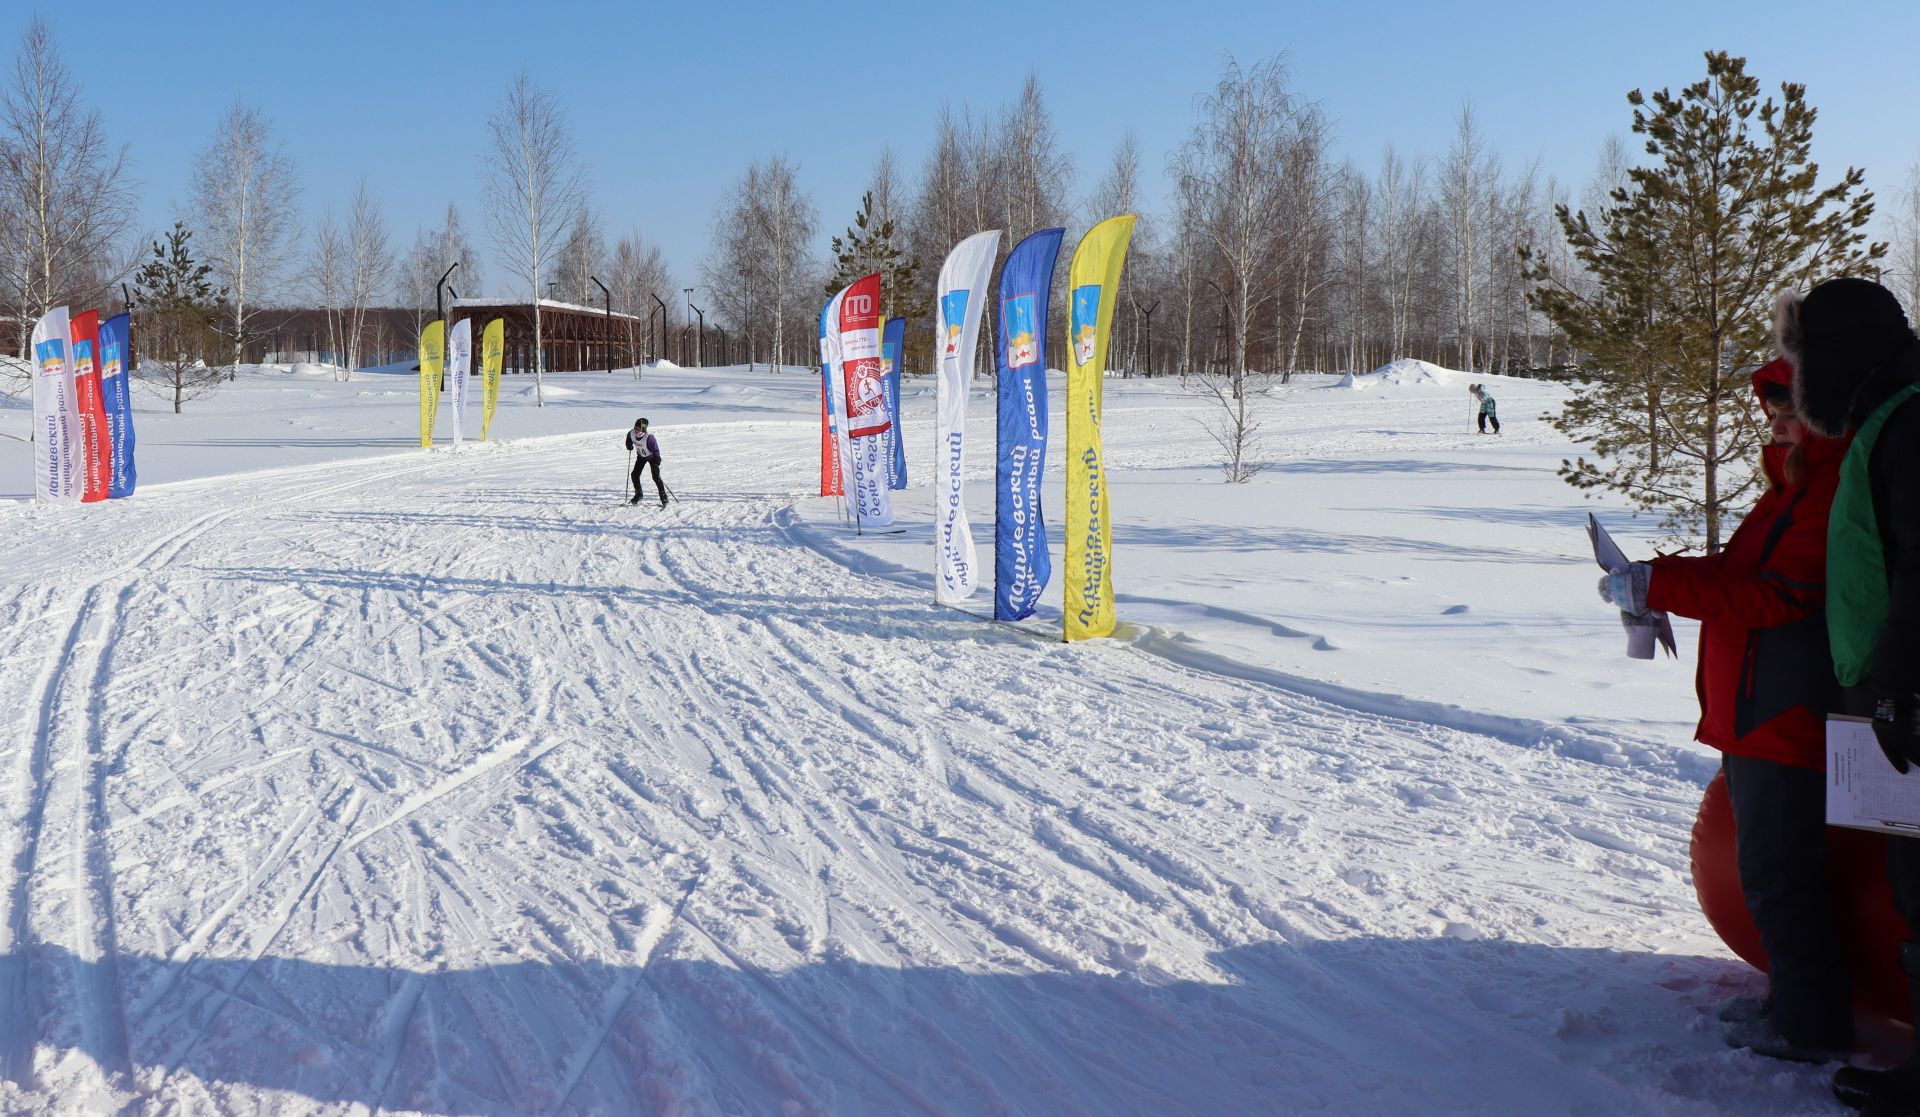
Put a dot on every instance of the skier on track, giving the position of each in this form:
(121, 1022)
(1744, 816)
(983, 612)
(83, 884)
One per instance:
(1856, 367)
(1489, 412)
(646, 450)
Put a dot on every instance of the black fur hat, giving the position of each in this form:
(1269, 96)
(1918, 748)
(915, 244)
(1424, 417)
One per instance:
(1836, 336)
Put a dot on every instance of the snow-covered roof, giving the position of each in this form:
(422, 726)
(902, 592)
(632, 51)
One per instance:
(549, 304)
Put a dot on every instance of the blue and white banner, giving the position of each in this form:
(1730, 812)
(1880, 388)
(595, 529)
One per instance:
(56, 413)
(116, 396)
(959, 303)
(1021, 566)
(892, 342)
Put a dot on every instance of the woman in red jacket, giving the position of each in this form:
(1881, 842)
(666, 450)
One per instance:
(1766, 683)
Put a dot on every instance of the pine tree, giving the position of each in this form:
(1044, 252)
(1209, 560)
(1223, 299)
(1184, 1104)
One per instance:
(874, 245)
(1685, 263)
(178, 319)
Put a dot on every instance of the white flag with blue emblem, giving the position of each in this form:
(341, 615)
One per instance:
(958, 302)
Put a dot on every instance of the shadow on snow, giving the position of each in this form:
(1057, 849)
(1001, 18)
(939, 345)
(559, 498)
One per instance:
(1363, 1025)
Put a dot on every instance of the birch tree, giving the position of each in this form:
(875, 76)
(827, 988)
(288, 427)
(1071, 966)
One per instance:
(1304, 246)
(784, 221)
(638, 272)
(1400, 232)
(244, 192)
(1465, 180)
(432, 252)
(535, 190)
(583, 256)
(1118, 192)
(369, 263)
(66, 199)
(327, 278)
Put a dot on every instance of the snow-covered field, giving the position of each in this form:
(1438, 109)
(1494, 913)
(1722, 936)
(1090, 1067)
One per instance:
(352, 777)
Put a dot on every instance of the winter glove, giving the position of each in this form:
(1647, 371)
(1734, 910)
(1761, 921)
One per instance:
(1627, 589)
(1896, 725)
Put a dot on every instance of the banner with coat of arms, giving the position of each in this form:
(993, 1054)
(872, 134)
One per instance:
(96, 453)
(1092, 281)
(1021, 567)
(116, 399)
(56, 418)
(959, 303)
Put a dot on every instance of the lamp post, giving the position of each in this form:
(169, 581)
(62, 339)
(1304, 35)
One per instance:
(683, 333)
(701, 360)
(127, 358)
(726, 348)
(608, 296)
(439, 304)
(447, 335)
(658, 353)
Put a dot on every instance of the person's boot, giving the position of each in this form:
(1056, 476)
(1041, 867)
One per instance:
(1762, 1038)
(1893, 1092)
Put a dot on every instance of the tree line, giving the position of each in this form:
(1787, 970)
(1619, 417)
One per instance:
(1268, 254)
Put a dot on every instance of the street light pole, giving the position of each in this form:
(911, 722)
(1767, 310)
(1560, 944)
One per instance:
(439, 304)
(658, 353)
(702, 360)
(608, 296)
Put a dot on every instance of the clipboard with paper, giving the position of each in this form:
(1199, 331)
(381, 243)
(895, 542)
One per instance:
(1640, 640)
(1864, 791)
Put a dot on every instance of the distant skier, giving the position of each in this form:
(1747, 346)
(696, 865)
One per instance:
(646, 450)
(1489, 411)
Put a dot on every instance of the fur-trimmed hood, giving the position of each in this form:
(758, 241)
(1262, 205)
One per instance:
(1840, 336)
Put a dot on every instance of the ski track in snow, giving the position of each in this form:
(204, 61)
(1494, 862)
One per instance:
(446, 784)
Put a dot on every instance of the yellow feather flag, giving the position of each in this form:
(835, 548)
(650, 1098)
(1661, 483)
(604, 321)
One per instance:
(493, 346)
(1093, 282)
(433, 351)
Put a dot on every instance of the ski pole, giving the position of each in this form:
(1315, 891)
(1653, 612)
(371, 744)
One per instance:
(626, 486)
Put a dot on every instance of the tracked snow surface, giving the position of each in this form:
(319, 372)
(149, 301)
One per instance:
(351, 778)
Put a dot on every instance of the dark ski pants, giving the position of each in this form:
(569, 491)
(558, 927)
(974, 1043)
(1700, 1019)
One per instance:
(639, 467)
(1485, 418)
(1780, 844)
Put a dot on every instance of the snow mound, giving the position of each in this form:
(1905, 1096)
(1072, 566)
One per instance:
(1401, 373)
(550, 391)
(664, 365)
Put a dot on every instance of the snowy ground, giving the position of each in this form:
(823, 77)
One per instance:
(359, 778)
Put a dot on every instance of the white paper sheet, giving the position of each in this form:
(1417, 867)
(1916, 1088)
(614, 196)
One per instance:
(1864, 790)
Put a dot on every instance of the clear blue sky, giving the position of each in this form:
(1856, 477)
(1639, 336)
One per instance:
(669, 102)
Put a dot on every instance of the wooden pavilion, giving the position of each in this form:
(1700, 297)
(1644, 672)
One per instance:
(576, 338)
